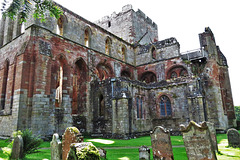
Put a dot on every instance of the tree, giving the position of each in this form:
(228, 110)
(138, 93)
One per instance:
(22, 8)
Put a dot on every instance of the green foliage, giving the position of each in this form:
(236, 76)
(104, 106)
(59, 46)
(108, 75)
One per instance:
(237, 112)
(31, 143)
(22, 8)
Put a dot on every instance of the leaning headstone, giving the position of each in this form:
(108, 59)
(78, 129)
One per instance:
(103, 153)
(56, 147)
(212, 131)
(84, 150)
(71, 135)
(161, 144)
(198, 142)
(233, 138)
(17, 149)
(144, 153)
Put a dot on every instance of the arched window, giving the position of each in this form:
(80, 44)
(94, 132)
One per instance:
(123, 52)
(148, 77)
(165, 106)
(176, 71)
(60, 26)
(79, 85)
(154, 54)
(104, 71)
(87, 37)
(173, 75)
(107, 46)
(4, 84)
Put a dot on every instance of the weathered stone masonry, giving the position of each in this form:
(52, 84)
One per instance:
(111, 78)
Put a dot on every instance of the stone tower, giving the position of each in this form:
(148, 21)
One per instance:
(131, 26)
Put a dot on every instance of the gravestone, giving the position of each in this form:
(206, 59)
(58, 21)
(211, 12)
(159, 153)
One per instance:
(197, 141)
(17, 149)
(144, 153)
(233, 138)
(103, 153)
(161, 144)
(84, 150)
(56, 147)
(213, 136)
(71, 135)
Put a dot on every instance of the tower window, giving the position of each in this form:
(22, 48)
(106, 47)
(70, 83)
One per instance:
(109, 23)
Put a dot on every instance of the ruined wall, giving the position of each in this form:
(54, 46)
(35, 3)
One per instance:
(12, 61)
(158, 51)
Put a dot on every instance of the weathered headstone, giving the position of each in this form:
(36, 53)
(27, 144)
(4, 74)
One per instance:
(161, 144)
(84, 150)
(103, 153)
(198, 142)
(212, 131)
(233, 138)
(144, 153)
(17, 149)
(56, 147)
(71, 135)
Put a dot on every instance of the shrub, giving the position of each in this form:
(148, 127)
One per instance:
(31, 143)
(237, 112)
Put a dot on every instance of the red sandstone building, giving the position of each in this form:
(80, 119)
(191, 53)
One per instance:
(112, 78)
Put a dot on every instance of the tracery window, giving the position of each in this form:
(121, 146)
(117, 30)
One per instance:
(165, 106)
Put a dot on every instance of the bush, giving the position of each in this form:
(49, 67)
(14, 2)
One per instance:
(237, 112)
(31, 143)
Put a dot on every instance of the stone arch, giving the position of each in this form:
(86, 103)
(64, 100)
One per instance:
(79, 97)
(176, 71)
(148, 77)
(4, 84)
(87, 36)
(104, 71)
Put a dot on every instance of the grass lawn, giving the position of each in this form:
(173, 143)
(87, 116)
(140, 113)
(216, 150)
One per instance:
(129, 148)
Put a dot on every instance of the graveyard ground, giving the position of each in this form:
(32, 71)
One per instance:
(128, 149)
